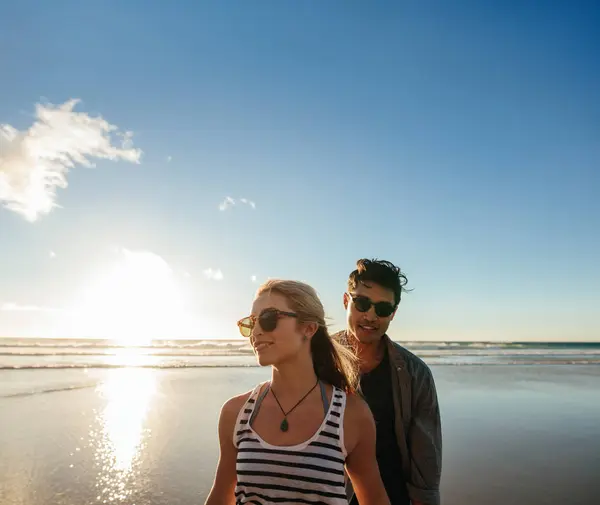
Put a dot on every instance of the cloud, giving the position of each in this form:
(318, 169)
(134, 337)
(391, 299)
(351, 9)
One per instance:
(15, 307)
(248, 202)
(169, 158)
(230, 202)
(253, 278)
(52, 254)
(35, 162)
(216, 275)
(225, 204)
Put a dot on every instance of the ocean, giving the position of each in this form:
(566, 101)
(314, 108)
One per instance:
(23, 353)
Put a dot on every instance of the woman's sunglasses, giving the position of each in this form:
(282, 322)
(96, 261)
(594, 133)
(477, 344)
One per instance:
(363, 304)
(267, 320)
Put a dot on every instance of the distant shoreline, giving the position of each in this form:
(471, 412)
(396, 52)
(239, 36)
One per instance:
(153, 342)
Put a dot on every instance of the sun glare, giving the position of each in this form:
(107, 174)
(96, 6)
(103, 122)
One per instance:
(123, 434)
(134, 301)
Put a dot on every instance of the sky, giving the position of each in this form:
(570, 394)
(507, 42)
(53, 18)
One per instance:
(158, 161)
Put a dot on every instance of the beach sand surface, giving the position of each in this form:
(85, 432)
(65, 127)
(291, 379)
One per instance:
(512, 434)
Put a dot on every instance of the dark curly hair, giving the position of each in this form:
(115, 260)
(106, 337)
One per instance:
(380, 272)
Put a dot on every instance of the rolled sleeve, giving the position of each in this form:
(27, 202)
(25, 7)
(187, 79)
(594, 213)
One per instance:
(426, 496)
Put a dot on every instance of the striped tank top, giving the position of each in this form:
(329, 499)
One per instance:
(311, 472)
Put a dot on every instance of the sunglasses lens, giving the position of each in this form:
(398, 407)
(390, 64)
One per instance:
(362, 304)
(245, 326)
(268, 320)
(384, 309)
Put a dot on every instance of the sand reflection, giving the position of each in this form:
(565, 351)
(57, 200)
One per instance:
(122, 434)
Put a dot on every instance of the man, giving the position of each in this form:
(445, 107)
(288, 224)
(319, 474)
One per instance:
(397, 385)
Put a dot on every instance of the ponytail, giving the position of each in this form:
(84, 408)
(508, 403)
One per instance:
(334, 363)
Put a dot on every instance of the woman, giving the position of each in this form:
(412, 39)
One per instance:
(290, 440)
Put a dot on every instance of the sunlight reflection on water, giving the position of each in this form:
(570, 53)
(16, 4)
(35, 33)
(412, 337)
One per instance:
(122, 434)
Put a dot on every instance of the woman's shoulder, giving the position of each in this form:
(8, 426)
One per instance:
(358, 420)
(234, 404)
(355, 405)
(357, 408)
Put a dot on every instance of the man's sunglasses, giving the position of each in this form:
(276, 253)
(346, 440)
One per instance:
(267, 320)
(363, 304)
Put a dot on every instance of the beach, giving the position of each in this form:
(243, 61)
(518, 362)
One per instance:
(148, 436)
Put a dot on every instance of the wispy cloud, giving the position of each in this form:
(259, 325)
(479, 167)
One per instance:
(253, 278)
(225, 204)
(35, 162)
(169, 159)
(52, 254)
(216, 275)
(230, 202)
(15, 307)
(248, 202)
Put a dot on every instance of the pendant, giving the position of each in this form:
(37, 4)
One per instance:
(284, 425)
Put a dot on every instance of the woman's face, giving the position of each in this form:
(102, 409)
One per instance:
(278, 344)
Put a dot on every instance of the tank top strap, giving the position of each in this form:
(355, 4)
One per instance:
(242, 424)
(259, 400)
(334, 422)
(324, 397)
(338, 402)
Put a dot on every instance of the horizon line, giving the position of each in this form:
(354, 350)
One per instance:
(143, 342)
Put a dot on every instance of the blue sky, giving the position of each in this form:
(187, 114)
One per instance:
(458, 140)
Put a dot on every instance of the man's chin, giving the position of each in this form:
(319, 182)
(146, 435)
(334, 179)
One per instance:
(367, 337)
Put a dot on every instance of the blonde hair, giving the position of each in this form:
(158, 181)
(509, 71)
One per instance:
(333, 362)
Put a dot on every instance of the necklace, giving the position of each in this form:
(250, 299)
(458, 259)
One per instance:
(284, 426)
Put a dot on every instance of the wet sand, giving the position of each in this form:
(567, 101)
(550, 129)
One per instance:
(512, 434)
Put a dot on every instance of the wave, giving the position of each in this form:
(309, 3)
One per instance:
(73, 366)
(425, 352)
(113, 352)
(111, 344)
(30, 354)
(48, 390)
(182, 366)
(242, 343)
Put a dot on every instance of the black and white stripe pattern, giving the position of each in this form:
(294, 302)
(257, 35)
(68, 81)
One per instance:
(310, 473)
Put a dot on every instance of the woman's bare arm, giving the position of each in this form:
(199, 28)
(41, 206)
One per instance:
(222, 491)
(361, 462)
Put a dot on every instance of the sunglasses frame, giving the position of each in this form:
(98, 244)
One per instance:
(243, 323)
(353, 297)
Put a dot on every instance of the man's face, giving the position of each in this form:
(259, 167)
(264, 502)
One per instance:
(368, 327)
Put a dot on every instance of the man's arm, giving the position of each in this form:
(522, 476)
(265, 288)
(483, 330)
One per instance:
(424, 439)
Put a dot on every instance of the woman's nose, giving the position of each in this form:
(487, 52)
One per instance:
(256, 332)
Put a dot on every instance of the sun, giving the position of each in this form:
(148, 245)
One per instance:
(135, 300)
